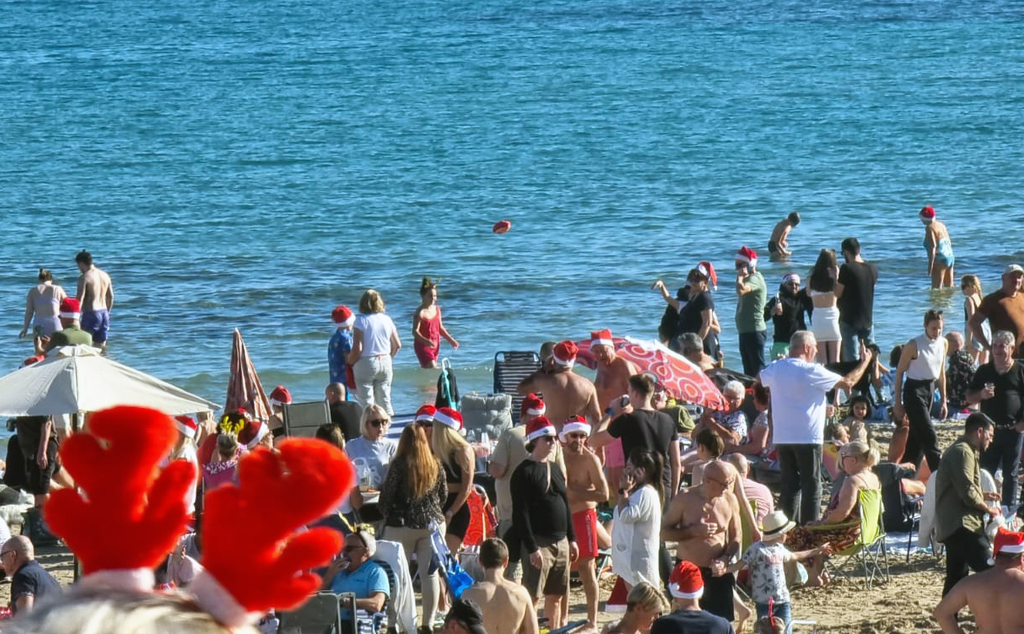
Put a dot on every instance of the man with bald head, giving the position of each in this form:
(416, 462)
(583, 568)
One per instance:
(30, 584)
(705, 521)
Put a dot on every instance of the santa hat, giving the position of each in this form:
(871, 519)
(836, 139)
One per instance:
(343, 316)
(747, 255)
(708, 269)
(36, 359)
(187, 426)
(254, 432)
(573, 425)
(425, 413)
(448, 416)
(280, 396)
(1007, 543)
(928, 213)
(532, 405)
(685, 581)
(791, 277)
(538, 427)
(565, 353)
(70, 308)
(601, 338)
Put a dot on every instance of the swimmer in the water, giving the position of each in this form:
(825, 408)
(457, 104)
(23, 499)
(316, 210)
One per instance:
(939, 248)
(778, 244)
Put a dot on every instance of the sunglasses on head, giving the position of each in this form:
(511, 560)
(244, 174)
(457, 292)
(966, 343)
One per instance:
(378, 422)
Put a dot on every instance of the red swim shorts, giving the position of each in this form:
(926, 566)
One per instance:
(584, 524)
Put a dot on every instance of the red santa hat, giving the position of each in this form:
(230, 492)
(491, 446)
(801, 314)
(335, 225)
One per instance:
(70, 308)
(565, 353)
(280, 396)
(1007, 543)
(34, 359)
(448, 416)
(747, 255)
(708, 269)
(685, 581)
(601, 338)
(187, 426)
(532, 405)
(573, 425)
(343, 316)
(253, 433)
(538, 427)
(928, 213)
(425, 413)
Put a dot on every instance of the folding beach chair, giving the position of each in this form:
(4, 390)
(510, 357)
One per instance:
(321, 614)
(869, 553)
(449, 567)
(511, 367)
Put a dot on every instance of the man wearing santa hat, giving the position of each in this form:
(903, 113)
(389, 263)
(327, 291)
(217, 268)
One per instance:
(585, 487)
(566, 393)
(541, 516)
(687, 587)
(279, 397)
(72, 333)
(752, 293)
(611, 383)
(993, 596)
(340, 345)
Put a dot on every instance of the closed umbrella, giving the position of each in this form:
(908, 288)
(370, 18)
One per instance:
(244, 388)
(76, 379)
(677, 374)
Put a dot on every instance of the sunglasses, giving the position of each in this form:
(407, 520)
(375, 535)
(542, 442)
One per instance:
(547, 438)
(378, 422)
(349, 548)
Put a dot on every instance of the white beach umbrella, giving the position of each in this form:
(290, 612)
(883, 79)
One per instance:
(76, 379)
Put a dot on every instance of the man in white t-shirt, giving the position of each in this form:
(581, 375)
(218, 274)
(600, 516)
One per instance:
(799, 387)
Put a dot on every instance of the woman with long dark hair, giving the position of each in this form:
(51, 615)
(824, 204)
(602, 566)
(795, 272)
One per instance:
(825, 318)
(636, 533)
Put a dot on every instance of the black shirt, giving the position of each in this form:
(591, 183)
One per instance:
(794, 308)
(647, 429)
(32, 580)
(691, 622)
(858, 300)
(540, 508)
(346, 415)
(1005, 408)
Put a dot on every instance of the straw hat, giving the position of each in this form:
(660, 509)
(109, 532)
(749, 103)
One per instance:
(775, 525)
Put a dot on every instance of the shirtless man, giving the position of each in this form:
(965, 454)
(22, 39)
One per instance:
(778, 244)
(566, 394)
(509, 608)
(611, 382)
(585, 486)
(96, 294)
(993, 595)
(705, 521)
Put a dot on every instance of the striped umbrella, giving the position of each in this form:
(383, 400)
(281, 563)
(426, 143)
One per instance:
(244, 388)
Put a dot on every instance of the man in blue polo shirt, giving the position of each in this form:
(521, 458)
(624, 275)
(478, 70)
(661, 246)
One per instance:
(354, 572)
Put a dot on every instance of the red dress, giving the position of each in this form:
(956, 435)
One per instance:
(428, 356)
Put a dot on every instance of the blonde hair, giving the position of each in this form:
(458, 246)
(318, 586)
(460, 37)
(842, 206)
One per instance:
(421, 466)
(370, 412)
(371, 302)
(646, 596)
(972, 282)
(180, 451)
(864, 451)
(446, 441)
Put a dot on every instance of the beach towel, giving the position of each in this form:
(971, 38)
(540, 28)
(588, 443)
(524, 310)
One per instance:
(447, 387)
(402, 606)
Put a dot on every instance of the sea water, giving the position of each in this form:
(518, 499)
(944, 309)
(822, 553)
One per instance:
(251, 165)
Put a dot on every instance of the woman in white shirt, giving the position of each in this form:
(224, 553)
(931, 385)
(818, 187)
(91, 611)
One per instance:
(636, 534)
(374, 342)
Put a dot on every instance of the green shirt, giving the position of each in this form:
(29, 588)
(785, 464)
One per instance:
(958, 497)
(70, 336)
(750, 306)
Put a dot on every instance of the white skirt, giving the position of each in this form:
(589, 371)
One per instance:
(825, 324)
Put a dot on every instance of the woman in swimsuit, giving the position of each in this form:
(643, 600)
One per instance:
(43, 303)
(825, 317)
(939, 248)
(427, 328)
(971, 287)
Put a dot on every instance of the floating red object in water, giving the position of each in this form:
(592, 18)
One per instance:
(502, 226)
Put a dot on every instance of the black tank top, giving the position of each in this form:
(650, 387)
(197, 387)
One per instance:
(452, 473)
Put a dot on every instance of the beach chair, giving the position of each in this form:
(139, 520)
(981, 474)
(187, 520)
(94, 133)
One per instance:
(868, 554)
(321, 614)
(511, 367)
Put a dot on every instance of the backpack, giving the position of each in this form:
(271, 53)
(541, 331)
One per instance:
(447, 387)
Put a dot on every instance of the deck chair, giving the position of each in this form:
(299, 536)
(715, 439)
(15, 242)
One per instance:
(511, 367)
(869, 553)
(321, 614)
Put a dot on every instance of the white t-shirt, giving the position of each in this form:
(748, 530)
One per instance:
(377, 329)
(798, 400)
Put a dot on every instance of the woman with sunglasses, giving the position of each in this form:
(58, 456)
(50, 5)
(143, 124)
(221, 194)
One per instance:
(373, 452)
(410, 501)
(459, 463)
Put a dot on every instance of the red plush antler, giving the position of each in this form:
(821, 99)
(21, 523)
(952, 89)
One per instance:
(248, 532)
(129, 513)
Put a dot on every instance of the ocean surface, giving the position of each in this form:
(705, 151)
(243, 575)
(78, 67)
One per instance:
(251, 165)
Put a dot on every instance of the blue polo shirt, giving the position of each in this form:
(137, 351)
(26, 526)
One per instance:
(367, 580)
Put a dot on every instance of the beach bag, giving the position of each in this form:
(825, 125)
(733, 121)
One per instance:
(447, 387)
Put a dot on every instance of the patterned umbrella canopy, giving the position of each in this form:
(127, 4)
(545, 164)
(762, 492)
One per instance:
(677, 374)
(244, 388)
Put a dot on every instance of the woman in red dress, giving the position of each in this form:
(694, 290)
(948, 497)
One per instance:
(427, 328)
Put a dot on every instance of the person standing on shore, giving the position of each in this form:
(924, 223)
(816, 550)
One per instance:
(611, 382)
(339, 346)
(855, 291)
(566, 393)
(42, 307)
(96, 295)
(921, 369)
(751, 297)
(778, 244)
(939, 248)
(992, 596)
(375, 342)
(1004, 310)
(970, 285)
(788, 311)
(427, 328)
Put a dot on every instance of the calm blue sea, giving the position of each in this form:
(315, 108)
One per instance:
(251, 165)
